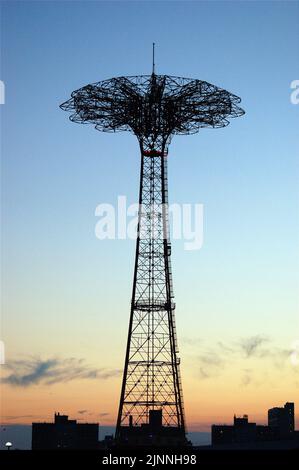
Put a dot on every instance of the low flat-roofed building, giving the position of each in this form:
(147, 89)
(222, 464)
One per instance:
(282, 420)
(64, 434)
(281, 427)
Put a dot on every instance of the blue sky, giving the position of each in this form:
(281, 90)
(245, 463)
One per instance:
(54, 173)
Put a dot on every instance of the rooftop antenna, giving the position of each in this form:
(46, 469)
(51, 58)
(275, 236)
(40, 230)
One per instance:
(153, 57)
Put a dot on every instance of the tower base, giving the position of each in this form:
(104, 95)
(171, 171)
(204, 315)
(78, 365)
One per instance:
(149, 436)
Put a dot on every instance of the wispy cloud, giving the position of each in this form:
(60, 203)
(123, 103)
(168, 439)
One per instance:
(211, 364)
(213, 360)
(32, 371)
(14, 418)
(191, 341)
(252, 346)
(247, 377)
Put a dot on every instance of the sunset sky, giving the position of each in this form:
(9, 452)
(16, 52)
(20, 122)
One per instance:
(66, 294)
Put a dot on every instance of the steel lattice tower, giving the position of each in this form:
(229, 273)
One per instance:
(153, 107)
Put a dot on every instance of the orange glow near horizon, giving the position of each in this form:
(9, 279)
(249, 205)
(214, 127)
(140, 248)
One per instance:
(207, 402)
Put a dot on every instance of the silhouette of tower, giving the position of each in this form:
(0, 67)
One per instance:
(153, 107)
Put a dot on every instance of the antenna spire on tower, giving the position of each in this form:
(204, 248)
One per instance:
(153, 57)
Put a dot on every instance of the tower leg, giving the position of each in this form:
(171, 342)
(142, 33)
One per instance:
(151, 403)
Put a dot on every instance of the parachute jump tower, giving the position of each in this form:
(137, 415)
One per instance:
(153, 107)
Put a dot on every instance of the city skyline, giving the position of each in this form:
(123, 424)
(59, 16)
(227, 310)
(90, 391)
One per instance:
(236, 298)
